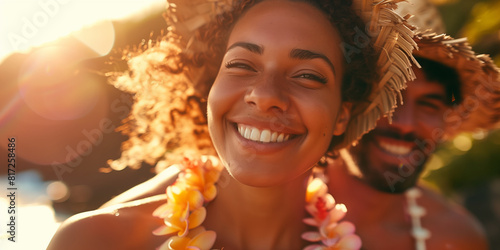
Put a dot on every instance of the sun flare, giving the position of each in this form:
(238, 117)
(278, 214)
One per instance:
(29, 23)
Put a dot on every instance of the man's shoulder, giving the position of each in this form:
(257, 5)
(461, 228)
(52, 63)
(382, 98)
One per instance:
(115, 227)
(449, 222)
(439, 206)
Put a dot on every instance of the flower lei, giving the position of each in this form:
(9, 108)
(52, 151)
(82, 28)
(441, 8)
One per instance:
(326, 216)
(184, 212)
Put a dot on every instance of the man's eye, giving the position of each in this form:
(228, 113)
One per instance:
(431, 105)
(239, 65)
(314, 77)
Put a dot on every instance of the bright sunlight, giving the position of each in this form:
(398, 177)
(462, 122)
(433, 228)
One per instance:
(28, 23)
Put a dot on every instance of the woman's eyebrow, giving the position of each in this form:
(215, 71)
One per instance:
(303, 54)
(254, 48)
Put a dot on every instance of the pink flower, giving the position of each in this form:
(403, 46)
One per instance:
(326, 216)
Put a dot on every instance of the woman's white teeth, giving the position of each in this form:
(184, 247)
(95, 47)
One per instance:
(265, 135)
(255, 135)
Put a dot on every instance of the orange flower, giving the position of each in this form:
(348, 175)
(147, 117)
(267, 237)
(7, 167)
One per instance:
(201, 174)
(184, 211)
(197, 239)
(180, 223)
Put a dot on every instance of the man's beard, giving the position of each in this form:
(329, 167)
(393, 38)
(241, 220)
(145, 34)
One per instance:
(391, 181)
(388, 178)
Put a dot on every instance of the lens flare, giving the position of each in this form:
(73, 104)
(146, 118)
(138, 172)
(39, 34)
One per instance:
(51, 86)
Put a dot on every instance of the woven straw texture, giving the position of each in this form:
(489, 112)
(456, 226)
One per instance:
(480, 82)
(389, 32)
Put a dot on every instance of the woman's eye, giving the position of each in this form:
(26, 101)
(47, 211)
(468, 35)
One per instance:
(317, 78)
(239, 65)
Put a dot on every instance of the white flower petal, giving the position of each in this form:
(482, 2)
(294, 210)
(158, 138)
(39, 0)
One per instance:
(311, 222)
(311, 236)
(345, 228)
(349, 242)
(338, 212)
(314, 247)
(329, 200)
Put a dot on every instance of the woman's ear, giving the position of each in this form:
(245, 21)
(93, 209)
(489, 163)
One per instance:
(343, 118)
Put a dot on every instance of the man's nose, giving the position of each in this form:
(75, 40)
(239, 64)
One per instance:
(404, 118)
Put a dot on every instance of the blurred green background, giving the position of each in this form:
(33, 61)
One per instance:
(467, 168)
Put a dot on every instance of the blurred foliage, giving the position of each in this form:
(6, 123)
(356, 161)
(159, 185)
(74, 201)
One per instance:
(467, 168)
(479, 20)
(454, 169)
(484, 20)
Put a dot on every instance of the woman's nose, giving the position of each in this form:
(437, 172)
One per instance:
(268, 94)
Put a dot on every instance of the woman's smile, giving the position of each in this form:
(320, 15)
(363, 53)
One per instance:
(275, 104)
(264, 136)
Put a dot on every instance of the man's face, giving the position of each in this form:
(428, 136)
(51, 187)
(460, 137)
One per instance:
(391, 157)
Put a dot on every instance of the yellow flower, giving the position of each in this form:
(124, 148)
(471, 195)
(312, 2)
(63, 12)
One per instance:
(180, 223)
(184, 212)
(182, 195)
(201, 174)
(197, 239)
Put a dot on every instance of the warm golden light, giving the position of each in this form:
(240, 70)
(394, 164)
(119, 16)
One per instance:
(28, 23)
(57, 191)
(462, 143)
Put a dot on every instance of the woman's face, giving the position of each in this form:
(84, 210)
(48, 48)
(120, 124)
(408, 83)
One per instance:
(276, 101)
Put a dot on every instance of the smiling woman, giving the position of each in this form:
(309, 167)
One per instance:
(267, 89)
(270, 73)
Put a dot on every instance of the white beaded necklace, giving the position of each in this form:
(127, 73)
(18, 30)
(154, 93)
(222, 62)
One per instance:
(416, 212)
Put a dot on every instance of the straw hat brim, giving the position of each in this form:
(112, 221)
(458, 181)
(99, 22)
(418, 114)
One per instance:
(390, 33)
(479, 82)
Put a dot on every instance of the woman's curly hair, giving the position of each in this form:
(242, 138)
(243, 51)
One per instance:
(170, 80)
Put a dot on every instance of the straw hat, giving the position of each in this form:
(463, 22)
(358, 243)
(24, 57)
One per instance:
(425, 15)
(159, 136)
(480, 82)
(392, 41)
(479, 77)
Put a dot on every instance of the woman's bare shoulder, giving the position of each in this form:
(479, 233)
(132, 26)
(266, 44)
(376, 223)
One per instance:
(151, 187)
(122, 226)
